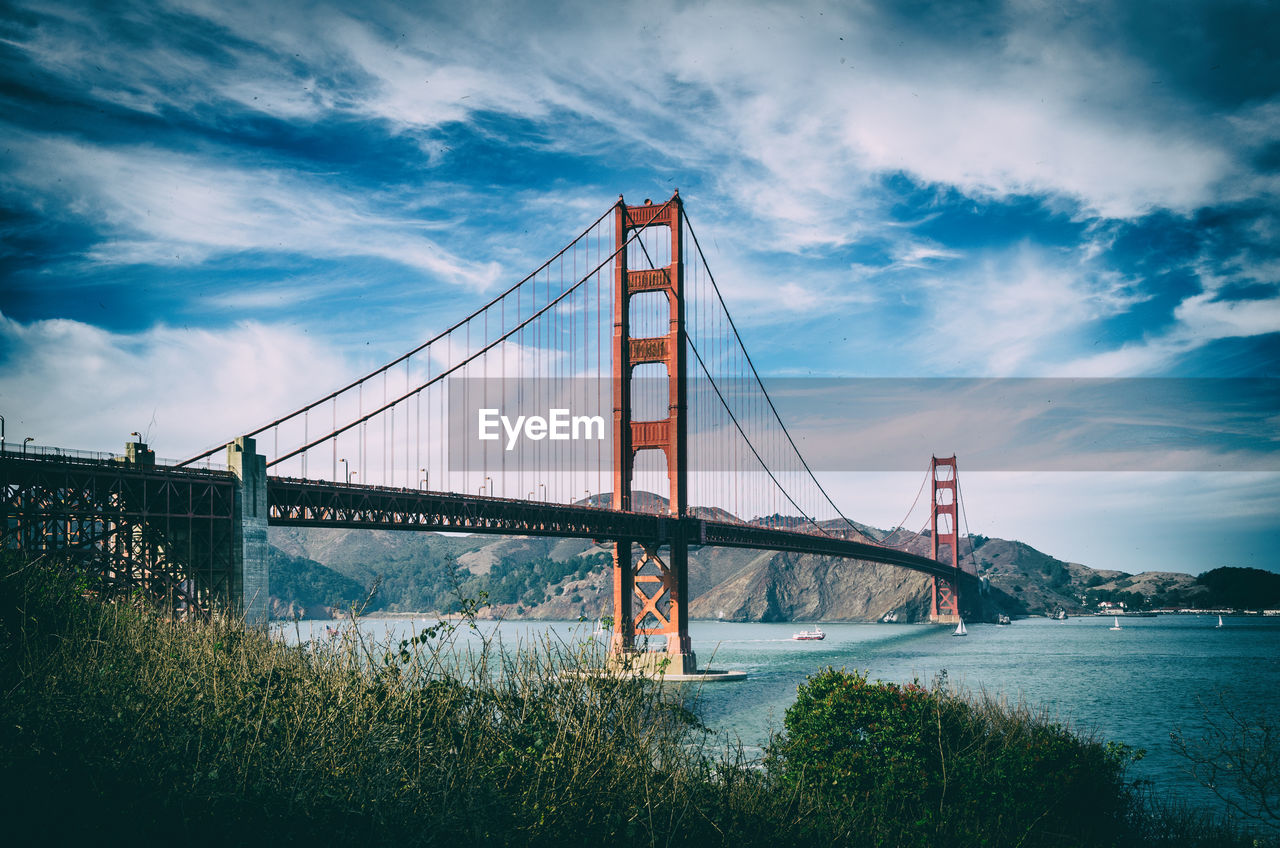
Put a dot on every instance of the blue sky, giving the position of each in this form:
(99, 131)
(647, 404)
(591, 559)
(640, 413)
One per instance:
(214, 211)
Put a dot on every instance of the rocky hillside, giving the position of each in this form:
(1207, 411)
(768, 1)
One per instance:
(790, 587)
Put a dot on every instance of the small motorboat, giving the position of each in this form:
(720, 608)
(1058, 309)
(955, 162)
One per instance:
(813, 635)
(1003, 619)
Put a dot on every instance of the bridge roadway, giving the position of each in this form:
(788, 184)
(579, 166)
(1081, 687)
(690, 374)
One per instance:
(58, 489)
(315, 503)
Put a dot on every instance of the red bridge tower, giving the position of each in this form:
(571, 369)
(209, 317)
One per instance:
(946, 596)
(659, 587)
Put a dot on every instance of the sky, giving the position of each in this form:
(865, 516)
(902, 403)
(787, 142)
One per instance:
(211, 212)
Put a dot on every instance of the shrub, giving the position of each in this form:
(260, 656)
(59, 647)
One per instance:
(918, 766)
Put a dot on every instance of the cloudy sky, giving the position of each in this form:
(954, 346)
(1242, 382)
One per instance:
(214, 211)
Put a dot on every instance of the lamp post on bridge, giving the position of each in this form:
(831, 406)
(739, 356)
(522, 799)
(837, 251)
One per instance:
(425, 482)
(24, 444)
(346, 471)
(1, 434)
(542, 490)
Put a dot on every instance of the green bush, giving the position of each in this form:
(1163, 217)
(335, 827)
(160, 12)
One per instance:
(919, 766)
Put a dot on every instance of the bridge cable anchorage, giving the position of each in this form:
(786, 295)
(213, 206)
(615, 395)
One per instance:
(471, 358)
(759, 382)
(405, 357)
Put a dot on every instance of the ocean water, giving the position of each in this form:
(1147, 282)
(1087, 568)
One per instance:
(1134, 685)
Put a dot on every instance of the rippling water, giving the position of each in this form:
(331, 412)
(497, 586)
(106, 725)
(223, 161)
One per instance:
(1134, 685)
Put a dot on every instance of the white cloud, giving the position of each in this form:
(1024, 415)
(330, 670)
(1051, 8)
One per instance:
(1198, 320)
(72, 385)
(1008, 314)
(801, 105)
(798, 108)
(164, 208)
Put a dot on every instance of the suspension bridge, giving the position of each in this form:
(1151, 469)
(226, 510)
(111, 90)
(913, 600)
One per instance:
(607, 396)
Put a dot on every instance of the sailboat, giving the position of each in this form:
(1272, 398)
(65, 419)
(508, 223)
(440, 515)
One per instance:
(1116, 625)
(1219, 621)
(960, 631)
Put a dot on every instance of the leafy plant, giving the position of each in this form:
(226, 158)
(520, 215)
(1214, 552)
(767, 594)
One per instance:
(1237, 757)
(929, 766)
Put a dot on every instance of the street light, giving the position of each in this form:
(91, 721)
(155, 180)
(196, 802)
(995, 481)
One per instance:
(24, 444)
(1, 434)
(543, 489)
(588, 493)
(135, 433)
(488, 481)
(425, 483)
(352, 474)
(346, 470)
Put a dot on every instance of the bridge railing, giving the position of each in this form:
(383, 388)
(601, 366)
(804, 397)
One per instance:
(53, 453)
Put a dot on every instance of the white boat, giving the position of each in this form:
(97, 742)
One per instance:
(960, 631)
(813, 635)
(891, 617)
(1219, 621)
(1116, 624)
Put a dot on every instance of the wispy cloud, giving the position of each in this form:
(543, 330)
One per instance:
(71, 384)
(164, 208)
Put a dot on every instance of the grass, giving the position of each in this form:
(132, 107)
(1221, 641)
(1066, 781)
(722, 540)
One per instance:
(117, 724)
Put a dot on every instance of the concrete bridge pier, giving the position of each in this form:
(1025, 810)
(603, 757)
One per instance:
(251, 576)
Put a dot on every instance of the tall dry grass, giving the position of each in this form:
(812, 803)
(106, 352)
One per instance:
(120, 721)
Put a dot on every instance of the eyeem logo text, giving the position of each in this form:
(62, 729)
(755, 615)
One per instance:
(559, 426)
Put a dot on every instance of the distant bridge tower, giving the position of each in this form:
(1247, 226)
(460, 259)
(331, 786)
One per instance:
(945, 608)
(660, 587)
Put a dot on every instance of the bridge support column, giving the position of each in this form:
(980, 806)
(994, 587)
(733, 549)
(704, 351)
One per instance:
(250, 573)
(661, 588)
(624, 626)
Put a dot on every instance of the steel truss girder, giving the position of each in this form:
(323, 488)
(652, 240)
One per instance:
(315, 503)
(165, 532)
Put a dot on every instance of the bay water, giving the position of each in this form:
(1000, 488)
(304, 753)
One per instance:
(1134, 685)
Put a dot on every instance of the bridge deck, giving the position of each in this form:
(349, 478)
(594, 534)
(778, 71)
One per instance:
(317, 503)
(313, 503)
